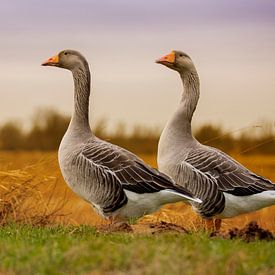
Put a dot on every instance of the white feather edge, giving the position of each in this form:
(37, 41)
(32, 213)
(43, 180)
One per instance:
(184, 196)
(147, 203)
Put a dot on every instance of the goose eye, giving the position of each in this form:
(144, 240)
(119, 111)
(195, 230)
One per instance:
(181, 55)
(65, 53)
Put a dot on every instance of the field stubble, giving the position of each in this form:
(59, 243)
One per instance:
(32, 190)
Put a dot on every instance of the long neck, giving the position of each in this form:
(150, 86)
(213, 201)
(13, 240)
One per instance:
(190, 94)
(80, 118)
(181, 120)
(177, 133)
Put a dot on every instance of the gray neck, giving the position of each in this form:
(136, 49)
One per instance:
(80, 118)
(188, 102)
(177, 138)
(190, 94)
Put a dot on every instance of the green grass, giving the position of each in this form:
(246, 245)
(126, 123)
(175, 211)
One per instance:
(81, 250)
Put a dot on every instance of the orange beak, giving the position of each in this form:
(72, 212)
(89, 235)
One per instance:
(169, 58)
(52, 61)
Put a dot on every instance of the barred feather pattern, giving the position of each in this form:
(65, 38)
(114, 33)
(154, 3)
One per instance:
(204, 187)
(115, 170)
(231, 177)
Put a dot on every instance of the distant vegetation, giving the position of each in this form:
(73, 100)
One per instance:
(48, 127)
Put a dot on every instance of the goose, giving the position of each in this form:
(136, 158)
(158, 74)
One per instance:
(226, 187)
(117, 183)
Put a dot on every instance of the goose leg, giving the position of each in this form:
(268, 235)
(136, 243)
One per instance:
(217, 224)
(213, 224)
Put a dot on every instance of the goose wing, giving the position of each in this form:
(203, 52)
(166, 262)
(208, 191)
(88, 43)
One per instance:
(117, 169)
(203, 186)
(231, 177)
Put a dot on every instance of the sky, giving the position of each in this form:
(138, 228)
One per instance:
(232, 44)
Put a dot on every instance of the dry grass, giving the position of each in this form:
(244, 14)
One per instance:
(32, 190)
(23, 201)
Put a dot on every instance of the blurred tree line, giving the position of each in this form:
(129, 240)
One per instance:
(49, 126)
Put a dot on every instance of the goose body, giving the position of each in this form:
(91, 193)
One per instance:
(114, 181)
(226, 187)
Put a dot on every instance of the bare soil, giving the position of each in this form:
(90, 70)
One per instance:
(250, 232)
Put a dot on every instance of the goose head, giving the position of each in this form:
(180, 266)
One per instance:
(178, 61)
(67, 59)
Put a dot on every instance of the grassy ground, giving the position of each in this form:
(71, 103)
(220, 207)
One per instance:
(41, 169)
(81, 250)
(32, 191)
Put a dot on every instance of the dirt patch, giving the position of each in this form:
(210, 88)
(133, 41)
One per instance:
(142, 228)
(158, 228)
(120, 227)
(162, 227)
(250, 232)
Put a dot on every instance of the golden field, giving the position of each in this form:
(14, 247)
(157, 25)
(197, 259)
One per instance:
(33, 190)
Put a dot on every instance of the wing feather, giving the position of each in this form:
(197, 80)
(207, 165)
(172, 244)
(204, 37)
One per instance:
(203, 186)
(118, 170)
(231, 176)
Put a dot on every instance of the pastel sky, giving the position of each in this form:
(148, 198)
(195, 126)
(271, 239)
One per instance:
(231, 42)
